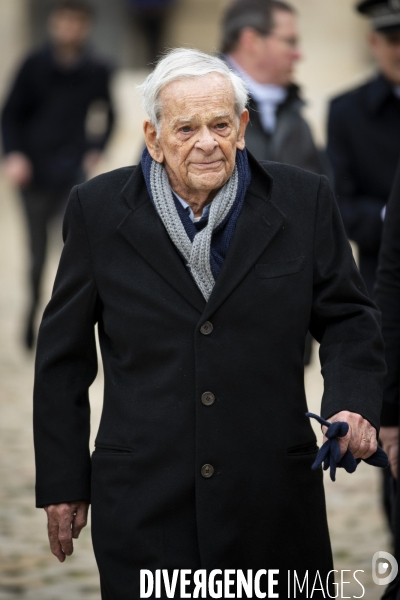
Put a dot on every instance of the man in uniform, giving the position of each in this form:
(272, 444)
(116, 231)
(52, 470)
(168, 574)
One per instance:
(55, 123)
(364, 138)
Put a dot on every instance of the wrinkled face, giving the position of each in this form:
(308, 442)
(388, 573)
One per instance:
(69, 28)
(277, 53)
(386, 49)
(199, 134)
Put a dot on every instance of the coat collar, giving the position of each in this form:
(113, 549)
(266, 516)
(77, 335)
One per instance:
(259, 222)
(378, 92)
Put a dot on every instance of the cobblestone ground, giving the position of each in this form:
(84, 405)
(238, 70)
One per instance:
(27, 569)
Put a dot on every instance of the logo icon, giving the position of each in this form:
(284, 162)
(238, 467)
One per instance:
(382, 567)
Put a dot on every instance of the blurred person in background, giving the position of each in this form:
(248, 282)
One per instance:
(151, 15)
(260, 41)
(387, 295)
(364, 138)
(55, 123)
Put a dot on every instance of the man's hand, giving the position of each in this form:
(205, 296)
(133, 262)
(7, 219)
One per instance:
(389, 437)
(361, 437)
(64, 522)
(18, 169)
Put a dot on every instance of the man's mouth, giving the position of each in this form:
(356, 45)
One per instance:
(207, 165)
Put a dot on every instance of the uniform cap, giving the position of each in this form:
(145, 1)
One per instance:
(384, 14)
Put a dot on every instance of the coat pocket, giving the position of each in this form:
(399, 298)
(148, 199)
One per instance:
(303, 449)
(280, 268)
(111, 449)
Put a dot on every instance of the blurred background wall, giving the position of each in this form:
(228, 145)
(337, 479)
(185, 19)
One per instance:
(335, 54)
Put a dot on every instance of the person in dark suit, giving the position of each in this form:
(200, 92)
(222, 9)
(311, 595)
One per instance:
(55, 123)
(260, 41)
(204, 270)
(388, 298)
(364, 141)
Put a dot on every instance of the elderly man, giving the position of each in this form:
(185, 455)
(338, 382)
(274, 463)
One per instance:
(203, 269)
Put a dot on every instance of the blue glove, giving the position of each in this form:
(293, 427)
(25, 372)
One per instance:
(329, 453)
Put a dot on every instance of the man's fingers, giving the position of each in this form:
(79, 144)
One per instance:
(361, 437)
(366, 449)
(65, 533)
(344, 443)
(60, 518)
(55, 546)
(363, 443)
(80, 519)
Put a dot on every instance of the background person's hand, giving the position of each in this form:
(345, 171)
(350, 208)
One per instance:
(389, 437)
(65, 522)
(361, 437)
(90, 162)
(18, 169)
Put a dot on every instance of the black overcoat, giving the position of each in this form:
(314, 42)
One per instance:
(289, 269)
(364, 147)
(387, 295)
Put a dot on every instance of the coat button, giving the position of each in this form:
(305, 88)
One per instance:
(206, 328)
(207, 471)
(208, 398)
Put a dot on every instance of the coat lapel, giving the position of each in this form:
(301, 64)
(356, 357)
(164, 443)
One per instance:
(258, 224)
(143, 229)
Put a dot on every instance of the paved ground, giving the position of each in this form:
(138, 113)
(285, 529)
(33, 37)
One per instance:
(27, 569)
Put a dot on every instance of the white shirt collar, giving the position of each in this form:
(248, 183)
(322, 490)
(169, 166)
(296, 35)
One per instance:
(186, 206)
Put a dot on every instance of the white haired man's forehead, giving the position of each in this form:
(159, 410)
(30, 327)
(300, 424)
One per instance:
(184, 63)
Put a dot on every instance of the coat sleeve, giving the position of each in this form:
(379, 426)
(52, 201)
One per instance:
(387, 296)
(17, 109)
(97, 140)
(66, 365)
(344, 320)
(361, 213)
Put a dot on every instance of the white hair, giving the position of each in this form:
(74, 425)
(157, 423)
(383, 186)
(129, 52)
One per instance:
(186, 63)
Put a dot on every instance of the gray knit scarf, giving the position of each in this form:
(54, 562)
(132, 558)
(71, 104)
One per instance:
(196, 253)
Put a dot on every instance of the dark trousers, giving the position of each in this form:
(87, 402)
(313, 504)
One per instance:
(41, 206)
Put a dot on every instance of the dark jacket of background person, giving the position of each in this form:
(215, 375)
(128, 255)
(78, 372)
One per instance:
(45, 116)
(387, 295)
(151, 506)
(291, 142)
(364, 147)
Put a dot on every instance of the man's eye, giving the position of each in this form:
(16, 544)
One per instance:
(222, 125)
(186, 129)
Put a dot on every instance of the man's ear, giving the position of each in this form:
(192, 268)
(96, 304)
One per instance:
(373, 41)
(244, 119)
(248, 38)
(152, 142)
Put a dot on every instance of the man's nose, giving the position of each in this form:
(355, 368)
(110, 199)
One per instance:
(206, 140)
